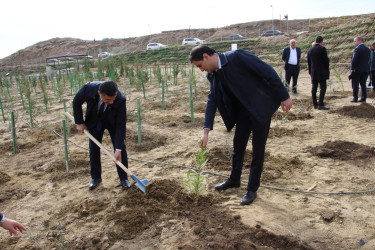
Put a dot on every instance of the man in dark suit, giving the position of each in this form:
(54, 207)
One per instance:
(372, 67)
(247, 91)
(106, 109)
(318, 63)
(359, 69)
(291, 57)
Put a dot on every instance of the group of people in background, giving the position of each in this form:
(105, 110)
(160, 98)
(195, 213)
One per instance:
(362, 65)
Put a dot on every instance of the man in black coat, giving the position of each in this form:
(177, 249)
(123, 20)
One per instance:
(318, 63)
(372, 67)
(292, 56)
(247, 92)
(359, 69)
(106, 109)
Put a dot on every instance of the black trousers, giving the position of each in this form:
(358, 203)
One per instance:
(372, 79)
(359, 79)
(244, 126)
(314, 90)
(292, 71)
(95, 163)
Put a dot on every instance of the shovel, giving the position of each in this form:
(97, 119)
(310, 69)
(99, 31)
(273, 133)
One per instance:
(141, 184)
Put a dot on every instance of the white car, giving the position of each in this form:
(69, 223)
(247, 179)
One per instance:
(104, 54)
(155, 46)
(193, 41)
(53, 61)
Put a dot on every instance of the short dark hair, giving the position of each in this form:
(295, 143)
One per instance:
(319, 39)
(108, 88)
(373, 44)
(197, 52)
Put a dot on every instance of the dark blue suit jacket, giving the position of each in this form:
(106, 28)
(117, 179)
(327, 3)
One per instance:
(114, 115)
(250, 81)
(360, 59)
(286, 54)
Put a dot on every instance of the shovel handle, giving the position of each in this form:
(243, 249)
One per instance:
(119, 163)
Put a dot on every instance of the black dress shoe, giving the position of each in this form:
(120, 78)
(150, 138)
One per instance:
(125, 184)
(362, 100)
(354, 100)
(248, 198)
(323, 107)
(316, 107)
(228, 184)
(295, 91)
(94, 183)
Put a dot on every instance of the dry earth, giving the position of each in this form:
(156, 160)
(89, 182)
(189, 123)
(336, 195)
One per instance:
(317, 186)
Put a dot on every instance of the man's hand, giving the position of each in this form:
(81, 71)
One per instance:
(204, 139)
(12, 226)
(81, 127)
(286, 105)
(118, 155)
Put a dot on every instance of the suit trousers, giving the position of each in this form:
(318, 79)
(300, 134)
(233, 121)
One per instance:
(314, 90)
(292, 71)
(372, 79)
(95, 163)
(359, 79)
(245, 124)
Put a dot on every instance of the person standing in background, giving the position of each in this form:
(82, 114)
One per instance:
(372, 67)
(318, 64)
(292, 56)
(359, 69)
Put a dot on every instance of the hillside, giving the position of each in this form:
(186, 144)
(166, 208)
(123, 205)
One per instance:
(338, 32)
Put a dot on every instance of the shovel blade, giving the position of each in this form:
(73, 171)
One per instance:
(141, 184)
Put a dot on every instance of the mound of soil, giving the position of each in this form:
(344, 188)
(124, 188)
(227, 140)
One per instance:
(343, 150)
(364, 110)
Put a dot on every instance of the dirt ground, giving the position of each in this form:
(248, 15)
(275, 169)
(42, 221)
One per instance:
(317, 187)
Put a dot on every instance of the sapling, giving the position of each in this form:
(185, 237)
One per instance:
(194, 177)
(338, 76)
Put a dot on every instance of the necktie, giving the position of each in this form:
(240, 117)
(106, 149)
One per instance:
(101, 110)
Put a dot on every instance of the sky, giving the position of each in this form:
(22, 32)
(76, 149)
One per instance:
(24, 23)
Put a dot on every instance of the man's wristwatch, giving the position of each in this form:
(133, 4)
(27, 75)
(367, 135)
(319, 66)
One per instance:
(3, 220)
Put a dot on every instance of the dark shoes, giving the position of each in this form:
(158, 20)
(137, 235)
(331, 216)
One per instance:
(228, 184)
(94, 183)
(361, 100)
(248, 198)
(323, 107)
(125, 184)
(294, 91)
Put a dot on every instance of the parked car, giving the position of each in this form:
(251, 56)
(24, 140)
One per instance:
(53, 61)
(104, 54)
(155, 46)
(272, 33)
(237, 37)
(193, 41)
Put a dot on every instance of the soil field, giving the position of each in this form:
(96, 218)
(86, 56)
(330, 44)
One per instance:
(317, 185)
